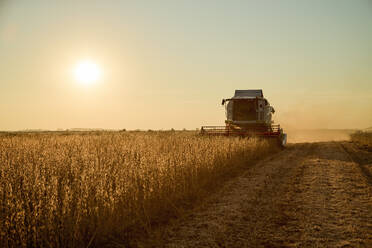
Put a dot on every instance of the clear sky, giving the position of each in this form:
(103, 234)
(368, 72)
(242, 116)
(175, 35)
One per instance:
(167, 64)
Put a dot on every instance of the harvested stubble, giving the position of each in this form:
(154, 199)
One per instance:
(96, 189)
(364, 138)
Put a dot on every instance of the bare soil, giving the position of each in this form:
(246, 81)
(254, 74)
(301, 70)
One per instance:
(308, 195)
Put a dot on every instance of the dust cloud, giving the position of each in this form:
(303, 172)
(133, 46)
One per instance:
(320, 120)
(317, 135)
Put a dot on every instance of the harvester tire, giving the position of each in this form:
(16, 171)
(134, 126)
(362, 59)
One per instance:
(283, 140)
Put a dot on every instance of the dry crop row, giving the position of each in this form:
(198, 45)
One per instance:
(96, 189)
(364, 138)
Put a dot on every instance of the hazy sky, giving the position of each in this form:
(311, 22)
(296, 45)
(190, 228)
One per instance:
(169, 63)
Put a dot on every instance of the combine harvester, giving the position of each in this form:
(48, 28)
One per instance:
(248, 114)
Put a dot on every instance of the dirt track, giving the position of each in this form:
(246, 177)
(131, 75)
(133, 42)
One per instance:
(309, 195)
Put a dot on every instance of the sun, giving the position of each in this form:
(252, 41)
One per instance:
(87, 72)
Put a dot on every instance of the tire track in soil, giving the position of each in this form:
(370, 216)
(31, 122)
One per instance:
(336, 202)
(309, 195)
(360, 156)
(247, 205)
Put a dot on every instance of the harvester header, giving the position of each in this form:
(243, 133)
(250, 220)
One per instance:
(248, 114)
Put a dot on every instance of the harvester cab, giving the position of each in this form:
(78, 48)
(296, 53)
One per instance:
(248, 114)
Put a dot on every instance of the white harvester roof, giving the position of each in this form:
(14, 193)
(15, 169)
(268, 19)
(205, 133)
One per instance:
(241, 94)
